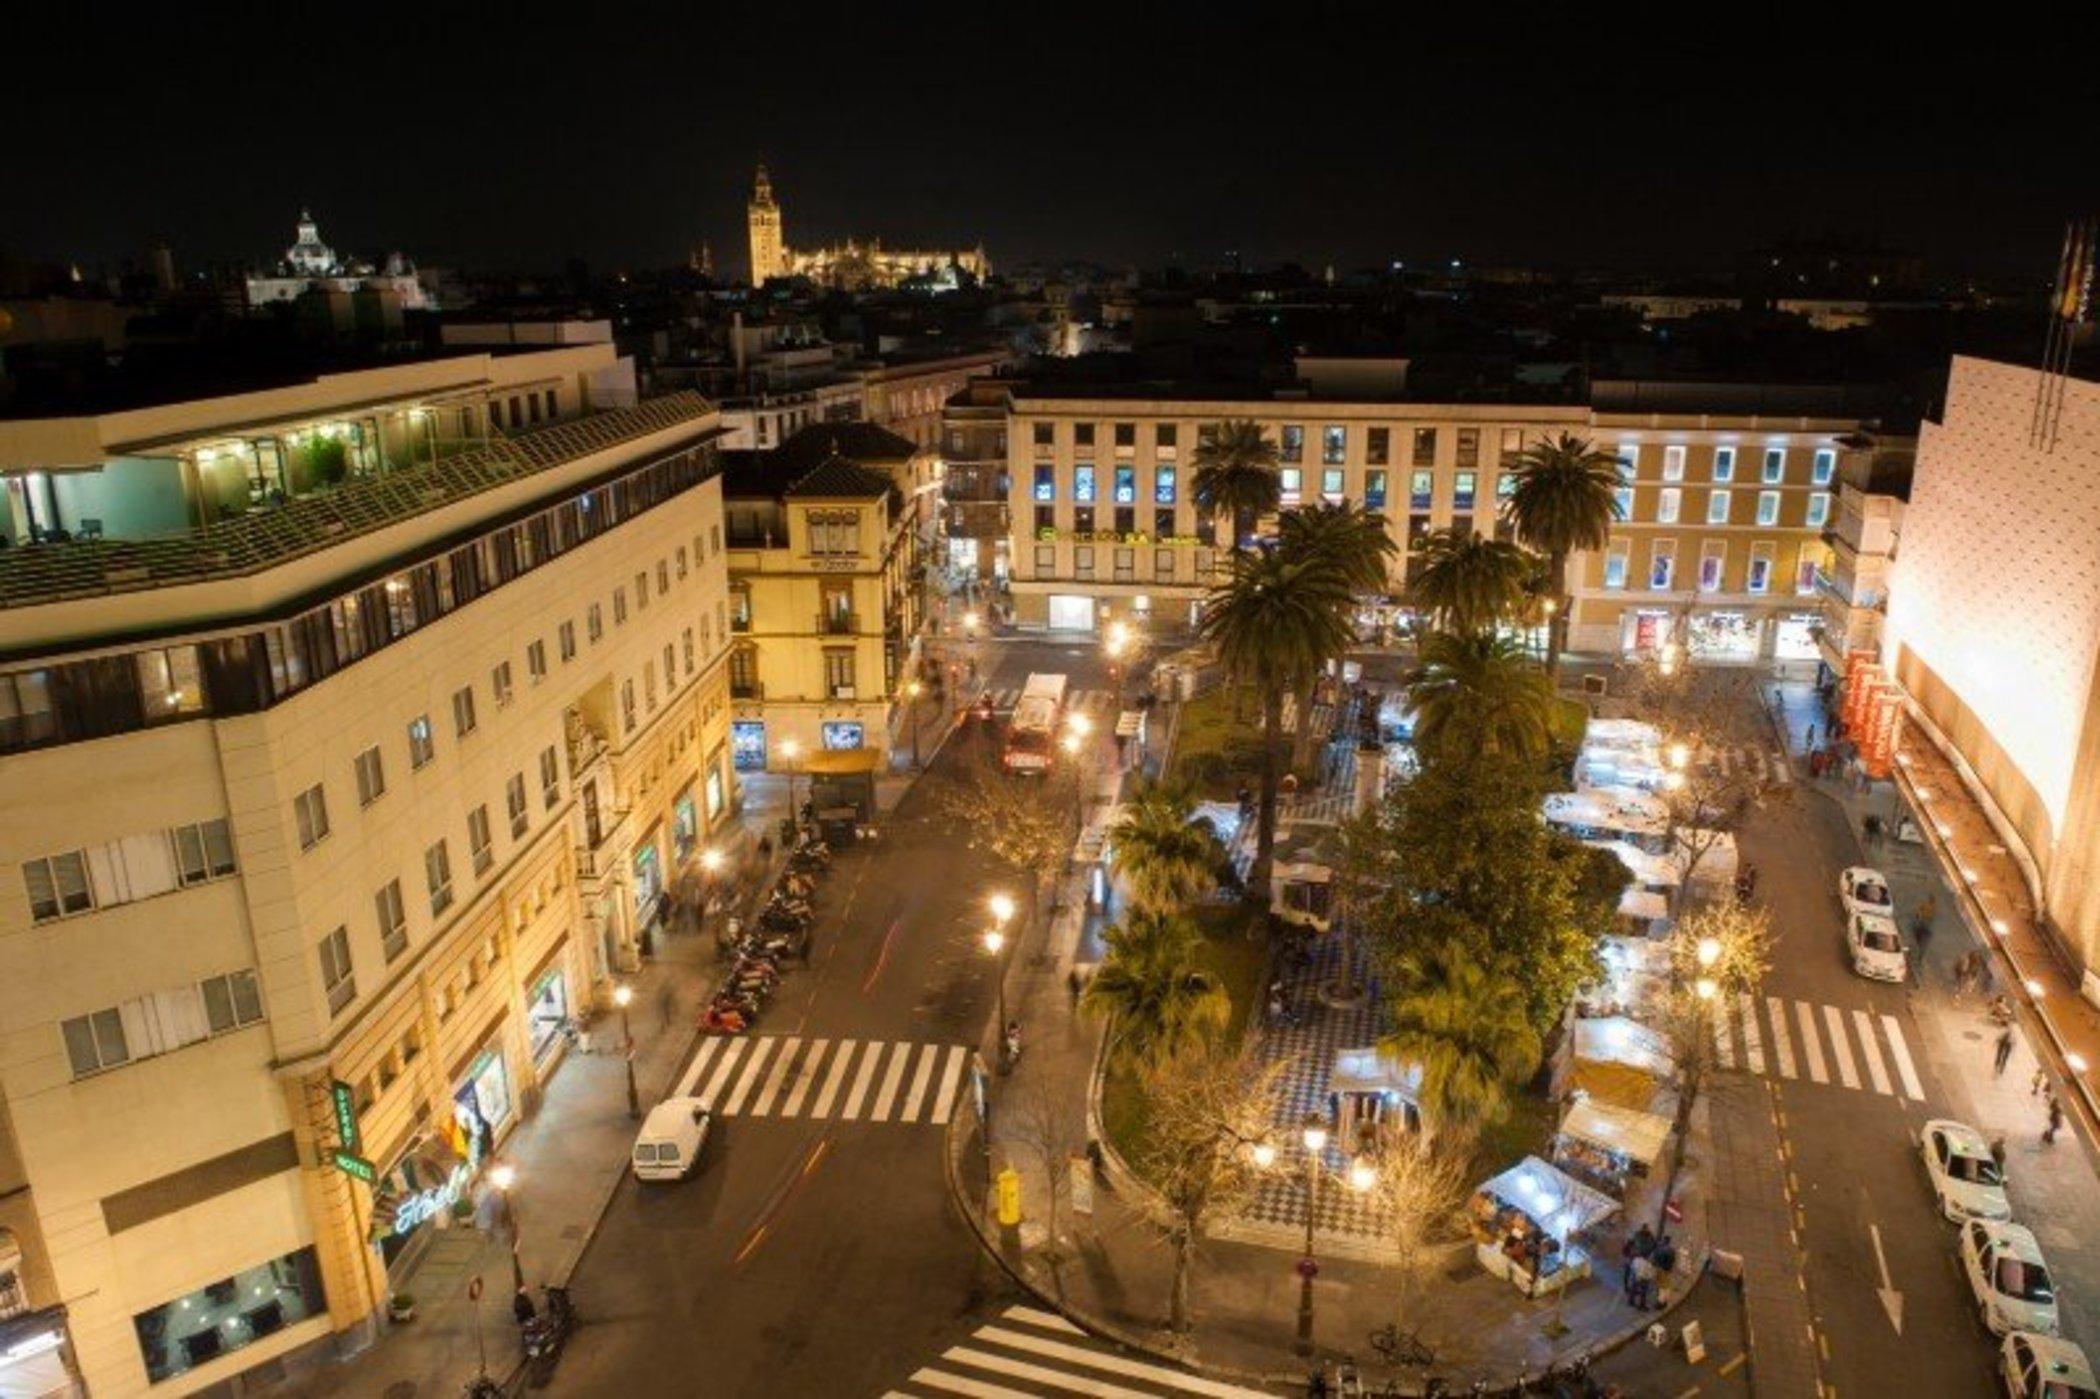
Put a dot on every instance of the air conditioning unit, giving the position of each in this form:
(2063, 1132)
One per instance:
(1596, 685)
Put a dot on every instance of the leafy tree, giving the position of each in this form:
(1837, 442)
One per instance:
(1564, 498)
(1157, 997)
(1464, 1021)
(1275, 624)
(1364, 870)
(1028, 824)
(1471, 583)
(1480, 694)
(1717, 952)
(1351, 540)
(1167, 856)
(1236, 475)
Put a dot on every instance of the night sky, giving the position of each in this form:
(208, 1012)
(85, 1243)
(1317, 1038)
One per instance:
(516, 136)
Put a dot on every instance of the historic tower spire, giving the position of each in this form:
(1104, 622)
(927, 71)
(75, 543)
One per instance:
(768, 251)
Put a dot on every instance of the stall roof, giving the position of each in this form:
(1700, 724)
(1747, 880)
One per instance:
(1643, 904)
(1656, 871)
(1640, 1135)
(1561, 1204)
(1367, 1070)
(1616, 1039)
(832, 762)
(1609, 808)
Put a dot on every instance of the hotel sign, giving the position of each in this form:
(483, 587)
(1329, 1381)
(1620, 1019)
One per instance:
(345, 1104)
(351, 1164)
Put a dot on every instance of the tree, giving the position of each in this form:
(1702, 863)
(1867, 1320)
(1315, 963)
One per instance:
(1465, 1023)
(1480, 694)
(1564, 498)
(1210, 1111)
(1471, 583)
(1421, 1185)
(1351, 540)
(1717, 952)
(1154, 992)
(1027, 824)
(1363, 870)
(1276, 623)
(1167, 857)
(1049, 1123)
(1236, 475)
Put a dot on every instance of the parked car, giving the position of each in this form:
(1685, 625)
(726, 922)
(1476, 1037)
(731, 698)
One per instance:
(1864, 890)
(2009, 1278)
(1966, 1182)
(2043, 1367)
(1877, 948)
(671, 1140)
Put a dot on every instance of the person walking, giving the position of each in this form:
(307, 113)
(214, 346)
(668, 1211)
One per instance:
(1643, 1294)
(666, 1004)
(2005, 1049)
(1998, 1154)
(1073, 986)
(521, 1307)
(1810, 741)
(2040, 1081)
(2056, 1121)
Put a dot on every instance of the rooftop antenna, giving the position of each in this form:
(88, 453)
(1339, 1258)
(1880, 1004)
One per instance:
(2070, 302)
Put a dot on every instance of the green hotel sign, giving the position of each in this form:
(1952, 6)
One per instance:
(345, 1103)
(351, 1164)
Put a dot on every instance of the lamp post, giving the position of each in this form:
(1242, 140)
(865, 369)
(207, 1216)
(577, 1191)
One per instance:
(1314, 1136)
(912, 690)
(1115, 644)
(1002, 907)
(791, 749)
(623, 997)
(503, 1176)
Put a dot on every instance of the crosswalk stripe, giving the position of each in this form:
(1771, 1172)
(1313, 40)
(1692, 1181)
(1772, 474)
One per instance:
(1839, 1050)
(709, 1047)
(859, 1092)
(920, 1082)
(1724, 1047)
(836, 1079)
(777, 1077)
(713, 1094)
(951, 1078)
(1870, 1052)
(1901, 1053)
(759, 1050)
(1023, 1370)
(891, 1081)
(959, 1384)
(1811, 1042)
(1114, 1364)
(805, 1080)
(1782, 1047)
(1753, 1042)
(1036, 1316)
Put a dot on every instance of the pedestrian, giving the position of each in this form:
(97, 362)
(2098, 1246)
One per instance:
(521, 1306)
(2038, 1083)
(1810, 741)
(2056, 1121)
(1643, 1282)
(1072, 986)
(2005, 1048)
(1998, 1154)
(666, 1004)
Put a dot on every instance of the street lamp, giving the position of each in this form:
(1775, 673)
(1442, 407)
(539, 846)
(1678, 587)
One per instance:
(791, 750)
(911, 691)
(1071, 744)
(1314, 1135)
(1709, 951)
(1002, 907)
(623, 997)
(503, 1176)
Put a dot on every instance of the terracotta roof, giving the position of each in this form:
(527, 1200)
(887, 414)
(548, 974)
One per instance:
(856, 442)
(837, 478)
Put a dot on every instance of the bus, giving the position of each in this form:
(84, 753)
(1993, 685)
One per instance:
(1031, 735)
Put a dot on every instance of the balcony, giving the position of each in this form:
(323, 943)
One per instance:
(838, 623)
(746, 689)
(739, 623)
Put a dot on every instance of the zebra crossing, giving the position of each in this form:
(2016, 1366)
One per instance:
(1029, 1351)
(849, 1080)
(1094, 703)
(1766, 766)
(1778, 1036)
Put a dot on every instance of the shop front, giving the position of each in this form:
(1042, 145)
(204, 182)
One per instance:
(648, 879)
(416, 1193)
(1794, 638)
(1723, 636)
(1071, 612)
(1527, 1225)
(1642, 629)
(547, 1008)
(747, 744)
(685, 827)
(483, 1104)
(33, 1355)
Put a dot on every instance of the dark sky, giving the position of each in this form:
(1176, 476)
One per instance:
(516, 135)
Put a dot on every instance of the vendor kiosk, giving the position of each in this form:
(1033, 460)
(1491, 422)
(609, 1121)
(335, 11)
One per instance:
(1527, 1222)
(1609, 1147)
(1373, 1099)
(1636, 977)
(1615, 1059)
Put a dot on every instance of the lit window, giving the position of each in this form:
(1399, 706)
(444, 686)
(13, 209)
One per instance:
(1615, 565)
(1334, 444)
(1083, 483)
(1464, 486)
(1163, 485)
(1768, 507)
(437, 873)
(1724, 463)
(1760, 568)
(1818, 509)
(1826, 462)
(1673, 463)
(1667, 503)
(1662, 565)
(1291, 483)
(1775, 465)
(1331, 485)
(1717, 507)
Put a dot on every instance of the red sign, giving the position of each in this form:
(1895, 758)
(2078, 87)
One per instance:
(1673, 1211)
(1308, 1268)
(474, 1288)
(1879, 743)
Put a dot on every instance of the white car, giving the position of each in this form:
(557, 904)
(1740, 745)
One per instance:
(1876, 947)
(1866, 891)
(2009, 1278)
(671, 1140)
(1966, 1182)
(2043, 1367)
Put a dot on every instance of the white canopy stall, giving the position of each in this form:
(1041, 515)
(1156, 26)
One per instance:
(1525, 1222)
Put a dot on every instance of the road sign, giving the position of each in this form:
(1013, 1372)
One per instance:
(1673, 1211)
(345, 1103)
(351, 1164)
(1308, 1267)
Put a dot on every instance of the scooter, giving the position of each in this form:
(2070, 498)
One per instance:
(546, 1334)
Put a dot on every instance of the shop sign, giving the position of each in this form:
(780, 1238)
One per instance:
(353, 1165)
(421, 1206)
(345, 1104)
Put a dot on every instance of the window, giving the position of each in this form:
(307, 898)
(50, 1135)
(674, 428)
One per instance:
(663, 575)
(1162, 563)
(231, 1001)
(1615, 564)
(1421, 487)
(1669, 500)
(1045, 560)
(627, 705)
(1622, 503)
(641, 588)
(838, 673)
(1818, 509)
(462, 713)
(1083, 483)
(371, 776)
(1469, 446)
(685, 642)
(481, 847)
(1293, 448)
(1673, 463)
(514, 802)
(1045, 481)
(1805, 573)
(437, 873)
(1045, 518)
(1291, 484)
(1126, 485)
(1717, 507)
(338, 978)
(1082, 434)
(310, 808)
(649, 684)
(681, 563)
(1467, 483)
(1163, 522)
(1662, 564)
(1165, 435)
(1760, 568)
(594, 622)
(1629, 460)
(1378, 445)
(1512, 442)
(834, 532)
(96, 1042)
(204, 851)
(421, 742)
(1826, 465)
(58, 886)
(1713, 558)
(500, 683)
(1163, 485)
(1334, 444)
(536, 660)
(550, 777)
(1768, 507)
(619, 606)
(1775, 465)
(1374, 488)
(1045, 434)
(1425, 446)
(393, 919)
(1332, 485)
(1724, 463)
(1126, 435)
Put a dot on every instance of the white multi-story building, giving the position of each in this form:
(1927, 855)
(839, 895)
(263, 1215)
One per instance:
(349, 733)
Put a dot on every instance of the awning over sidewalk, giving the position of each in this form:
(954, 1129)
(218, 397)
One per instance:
(1639, 1136)
(1556, 1201)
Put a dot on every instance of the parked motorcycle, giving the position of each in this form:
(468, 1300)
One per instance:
(547, 1334)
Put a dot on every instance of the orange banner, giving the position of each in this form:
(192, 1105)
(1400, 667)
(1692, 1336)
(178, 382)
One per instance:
(1878, 748)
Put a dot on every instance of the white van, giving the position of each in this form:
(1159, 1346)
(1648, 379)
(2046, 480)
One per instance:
(671, 1139)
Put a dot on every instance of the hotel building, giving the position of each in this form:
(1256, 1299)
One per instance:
(349, 733)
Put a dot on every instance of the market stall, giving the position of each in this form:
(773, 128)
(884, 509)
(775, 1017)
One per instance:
(1526, 1223)
(1644, 914)
(1636, 975)
(1607, 1146)
(1611, 813)
(1301, 880)
(1372, 1098)
(1615, 1059)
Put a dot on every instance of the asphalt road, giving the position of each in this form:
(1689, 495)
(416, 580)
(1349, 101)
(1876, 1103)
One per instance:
(813, 1255)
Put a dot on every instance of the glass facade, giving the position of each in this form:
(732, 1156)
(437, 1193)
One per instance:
(225, 1316)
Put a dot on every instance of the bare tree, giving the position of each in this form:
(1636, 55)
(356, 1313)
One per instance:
(1211, 1112)
(1048, 1125)
(1027, 823)
(1716, 952)
(1420, 1186)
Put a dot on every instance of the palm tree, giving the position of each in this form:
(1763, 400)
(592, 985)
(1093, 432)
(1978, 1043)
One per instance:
(1236, 474)
(1165, 854)
(1152, 990)
(1469, 583)
(1465, 1024)
(1275, 624)
(1480, 694)
(1352, 540)
(1565, 498)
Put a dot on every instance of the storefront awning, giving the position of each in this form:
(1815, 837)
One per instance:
(840, 761)
(1636, 1135)
(1555, 1201)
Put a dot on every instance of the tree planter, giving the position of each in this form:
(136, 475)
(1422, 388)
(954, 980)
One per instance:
(401, 1308)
